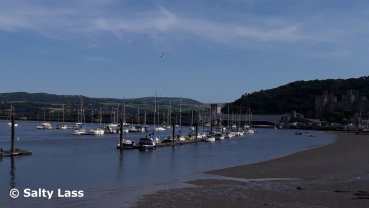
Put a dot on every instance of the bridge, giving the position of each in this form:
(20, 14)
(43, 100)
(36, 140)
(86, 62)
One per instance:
(256, 120)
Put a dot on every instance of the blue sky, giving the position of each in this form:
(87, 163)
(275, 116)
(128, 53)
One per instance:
(215, 50)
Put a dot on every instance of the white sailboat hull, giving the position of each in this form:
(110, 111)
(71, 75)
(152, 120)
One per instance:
(97, 132)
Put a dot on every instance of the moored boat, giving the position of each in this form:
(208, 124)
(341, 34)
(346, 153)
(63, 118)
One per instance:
(80, 131)
(44, 125)
(97, 131)
(113, 125)
(136, 129)
(63, 126)
(10, 124)
(146, 143)
(180, 138)
(219, 136)
(210, 138)
(160, 128)
(126, 144)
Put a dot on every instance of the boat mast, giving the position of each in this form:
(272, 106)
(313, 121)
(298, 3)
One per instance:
(211, 120)
(116, 119)
(81, 110)
(192, 117)
(158, 115)
(249, 117)
(145, 118)
(221, 121)
(44, 114)
(63, 113)
(124, 111)
(100, 118)
(180, 115)
(92, 116)
(78, 116)
(169, 113)
(239, 120)
(111, 115)
(155, 111)
(245, 119)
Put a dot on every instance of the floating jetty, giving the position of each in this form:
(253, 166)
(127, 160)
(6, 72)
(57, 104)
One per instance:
(17, 152)
(170, 144)
(167, 144)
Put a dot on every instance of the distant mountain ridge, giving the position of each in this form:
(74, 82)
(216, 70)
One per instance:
(301, 96)
(31, 105)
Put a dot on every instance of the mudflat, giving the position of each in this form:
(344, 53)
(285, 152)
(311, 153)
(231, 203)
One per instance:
(336, 175)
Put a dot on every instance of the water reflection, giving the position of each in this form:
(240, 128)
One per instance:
(12, 173)
(120, 164)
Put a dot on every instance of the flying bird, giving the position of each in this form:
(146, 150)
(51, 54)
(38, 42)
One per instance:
(162, 55)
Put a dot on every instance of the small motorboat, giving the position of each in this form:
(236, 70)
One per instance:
(219, 136)
(210, 138)
(80, 131)
(146, 143)
(137, 129)
(63, 126)
(249, 131)
(10, 124)
(180, 138)
(126, 144)
(45, 125)
(160, 128)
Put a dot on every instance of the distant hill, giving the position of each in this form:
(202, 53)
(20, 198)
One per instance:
(301, 96)
(32, 105)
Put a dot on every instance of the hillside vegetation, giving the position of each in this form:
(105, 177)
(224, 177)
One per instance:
(33, 105)
(298, 96)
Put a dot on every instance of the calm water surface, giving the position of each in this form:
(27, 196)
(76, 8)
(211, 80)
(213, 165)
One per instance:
(113, 178)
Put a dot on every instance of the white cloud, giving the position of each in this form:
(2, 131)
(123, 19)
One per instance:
(101, 18)
(67, 22)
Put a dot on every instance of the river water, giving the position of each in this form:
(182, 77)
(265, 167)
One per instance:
(112, 178)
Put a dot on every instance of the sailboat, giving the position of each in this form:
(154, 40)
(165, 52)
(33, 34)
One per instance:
(138, 128)
(124, 123)
(80, 116)
(114, 118)
(210, 137)
(169, 123)
(192, 128)
(63, 126)
(97, 131)
(248, 129)
(79, 130)
(45, 125)
(10, 114)
(79, 125)
(159, 128)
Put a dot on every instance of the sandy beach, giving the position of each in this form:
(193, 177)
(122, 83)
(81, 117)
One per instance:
(336, 175)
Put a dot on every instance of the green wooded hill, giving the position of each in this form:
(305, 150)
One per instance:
(32, 105)
(299, 96)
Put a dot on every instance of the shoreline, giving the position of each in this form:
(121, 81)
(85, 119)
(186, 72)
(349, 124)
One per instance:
(334, 175)
(306, 164)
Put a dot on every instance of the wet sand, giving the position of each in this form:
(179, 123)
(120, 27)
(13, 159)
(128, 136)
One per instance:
(336, 175)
